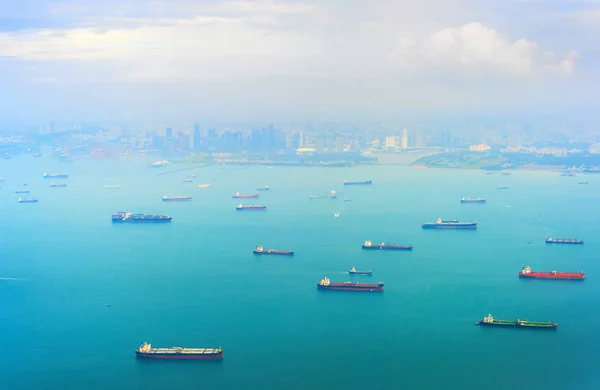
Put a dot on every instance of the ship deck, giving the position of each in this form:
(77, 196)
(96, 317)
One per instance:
(183, 351)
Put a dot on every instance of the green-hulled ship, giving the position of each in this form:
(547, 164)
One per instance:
(491, 321)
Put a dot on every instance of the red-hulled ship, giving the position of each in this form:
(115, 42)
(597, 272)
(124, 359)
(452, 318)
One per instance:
(326, 284)
(262, 251)
(146, 351)
(244, 196)
(527, 273)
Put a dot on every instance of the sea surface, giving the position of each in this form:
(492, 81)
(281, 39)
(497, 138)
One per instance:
(79, 294)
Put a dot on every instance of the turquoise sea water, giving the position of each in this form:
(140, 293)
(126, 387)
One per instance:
(195, 282)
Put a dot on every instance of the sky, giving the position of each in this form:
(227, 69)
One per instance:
(183, 60)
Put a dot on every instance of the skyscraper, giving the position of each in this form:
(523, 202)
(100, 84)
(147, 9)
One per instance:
(197, 141)
(169, 133)
(404, 139)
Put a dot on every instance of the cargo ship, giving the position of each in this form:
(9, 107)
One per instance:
(383, 246)
(331, 195)
(21, 191)
(27, 200)
(112, 186)
(358, 183)
(491, 321)
(582, 182)
(568, 241)
(123, 216)
(244, 196)
(262, 251)
(204, 185)
(57, 184)
(472, 200)
(326, 284)
(527, 273)
(265, 188)
(353, 271)
(175, 198)
(146, 351)
(250, 207)
(451, 224)
(55, 176)
(502, 188)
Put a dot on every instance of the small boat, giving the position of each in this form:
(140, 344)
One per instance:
(265, 188)
(336, 215)
(262, 251)
(353, 271)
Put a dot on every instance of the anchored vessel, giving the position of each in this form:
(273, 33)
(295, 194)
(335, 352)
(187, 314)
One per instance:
(123, 216)
(326, 284)
(146, 351)
(353, 271)
(491, 321)
(472, 200)
(572, 241)
(265, 188)
(503, 188)
(250, 207)
(331, 195)
(57, 184)
(451, 224)
(175, 198)
(27, 200)
(244, 196)
(112, 186)
(55, 175)
(204, 185)
(383, 246)
(262, 251)
(527, 273)
(358, 183)
(21, 191)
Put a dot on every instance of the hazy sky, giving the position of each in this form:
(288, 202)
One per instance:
(186, 59)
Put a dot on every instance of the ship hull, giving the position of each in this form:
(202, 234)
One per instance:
(515, 324)
(564, 242)
(176, 199)
(351, 287)
(443, 226)
(388, 247)
(358, 183)
(550, 275)
(172, 356)
(472, 201)
(275, 253)
(141, 220)
(361, 273)
(245, 196)
(251, 209)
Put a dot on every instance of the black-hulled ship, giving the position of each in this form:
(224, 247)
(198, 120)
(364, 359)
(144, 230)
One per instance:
(383, 246)
(491, 321)
(262, 251)
(123, 217)
(353, 271)
(567, 241)
(450, 224)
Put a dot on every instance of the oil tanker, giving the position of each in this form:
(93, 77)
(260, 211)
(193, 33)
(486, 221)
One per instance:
(358, 183)
(123, 216)
(527, 273)
(146, 351)
(451, 224)
(472, 200)
(55, 176)
(383, 246)
(353, 271)
(262, 251)
(571, 241)
(491, 321)
(326, 284)
(175, 198)
(250, 207)
(244, 196)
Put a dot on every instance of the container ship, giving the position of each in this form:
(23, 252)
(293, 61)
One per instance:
(244, 196)
(472, 200)
(55, 176)
(527, 273)
(568, 241)
(132, 218)
(250, 207)
(326, 284)
(146, 351)
(262, 251)
(265, 188)
(451, 224)
(27, 200)
(383, 246)
(353, 271)
(331, 195)
(21, 191)
(358, 183)
(176, 198)
(491, 321)
(56, 185)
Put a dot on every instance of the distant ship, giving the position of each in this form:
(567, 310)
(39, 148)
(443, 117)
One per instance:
(21, 191)
(583, 182)
(472, 200)
(262, 251)
(55, 176)
(490, 321)
(27, 200)
(336, 215)
(265, 188)
(175, 198)
(37, 155)
(571, 241)
(146, 351)
(527, 273)
(347, 200)
(159, 164)
(451, 224)
(188, 180)
(331, 195)
(358, 183)
(112, 186)
(353, 271)
(130, 217)
(204, 185)
(326, 284)
(57, 184)
(245, 196)
(250, 207)
(383, 246)
(505, 173)
(502, 188)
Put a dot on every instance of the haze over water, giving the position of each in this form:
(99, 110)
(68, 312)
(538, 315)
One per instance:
(196, 283)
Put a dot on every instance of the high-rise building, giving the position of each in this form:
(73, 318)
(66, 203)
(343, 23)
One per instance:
(169, 133)
(390, 142)
(404, 139)
(197, 139)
